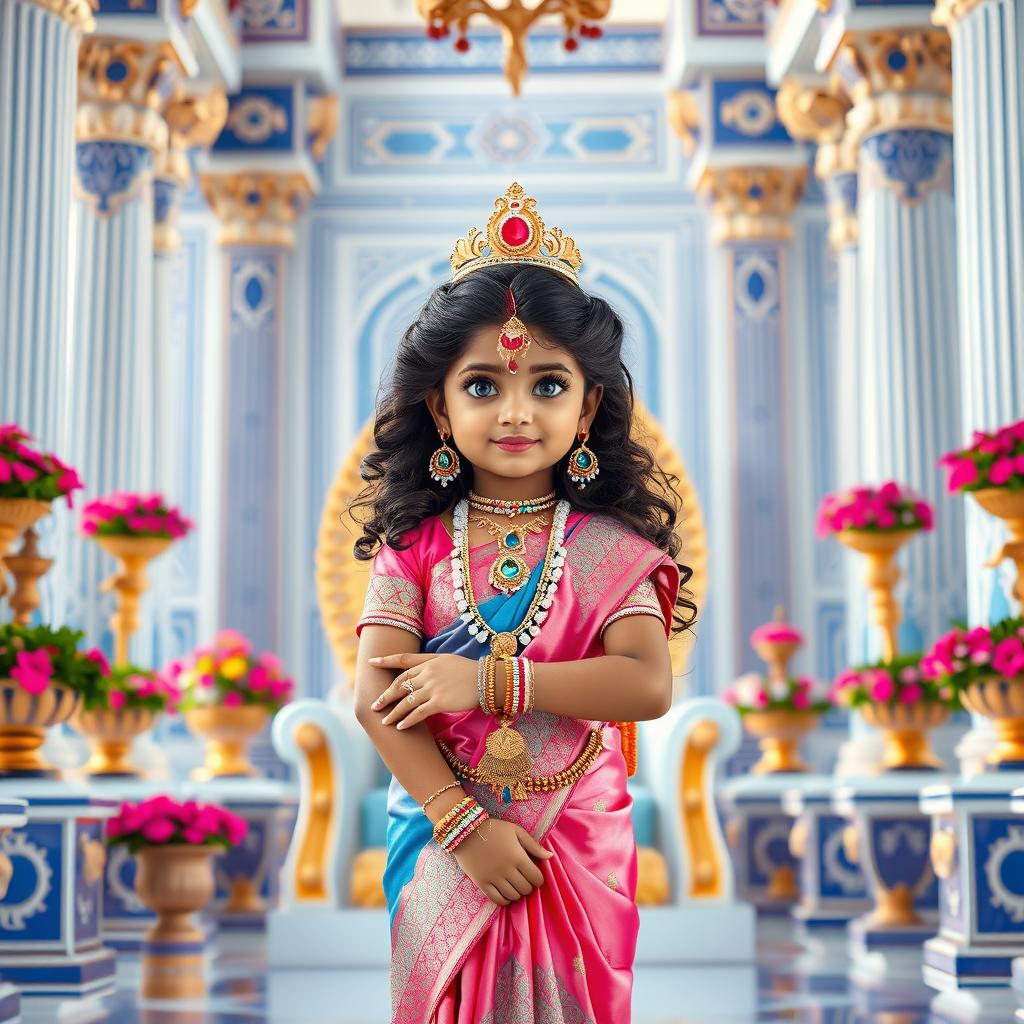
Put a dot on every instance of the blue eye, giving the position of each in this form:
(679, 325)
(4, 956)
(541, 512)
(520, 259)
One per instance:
(546, 388)
(481, 382)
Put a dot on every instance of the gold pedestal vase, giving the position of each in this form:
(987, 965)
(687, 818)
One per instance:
(16, 516)
(1002, 702)
(110, 734)
(1009, 506)
(175, 880)
(24, 719)
(228, 733)
(129, 582)
(905, 733)
(779, 734)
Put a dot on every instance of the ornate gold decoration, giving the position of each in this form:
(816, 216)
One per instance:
(6, 868)
(798, 836)
(905, 732)
(16, 516)
(707, 872)
(751, 202)
(894, 908)
(684, 117)
(782, 887)
(851, 842)
(187, 8)
(1008, 506)
(948, 12)
(175, 880)
(896, 79)
(255, 118)
(322, 118)
(313, 842)
(342, 580)
(516, 234)
(652, 884)
(110, 734)
(943, 852)
(130, 582)
(94, 858)
(257, 208)
(77, 13)
(228, 732)
(779, 733)
(1002, 702)
(882, 575)
(812, 111)
(24, 719)
(366, 888)
(515, 21)
(244, 897)
(27, 567)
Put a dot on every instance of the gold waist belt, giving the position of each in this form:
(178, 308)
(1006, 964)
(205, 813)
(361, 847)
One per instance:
(502, 768)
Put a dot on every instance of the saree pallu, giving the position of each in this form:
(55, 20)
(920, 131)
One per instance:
(564, 953)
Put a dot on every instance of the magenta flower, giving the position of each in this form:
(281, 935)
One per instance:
(881, 686)
(1001, 471)
(232, 699)
(116, 699)
(99, 658)
(963, 474)
(32, 671)
(1008, 657)
(158, 830)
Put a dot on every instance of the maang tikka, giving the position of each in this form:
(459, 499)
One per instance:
(444, 463)
(514, 339)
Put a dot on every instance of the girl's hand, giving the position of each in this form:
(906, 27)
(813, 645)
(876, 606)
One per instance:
(503, 867)
(443, 682)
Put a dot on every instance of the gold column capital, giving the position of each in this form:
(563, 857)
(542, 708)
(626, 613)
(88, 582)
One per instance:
(896, 78)
(79, 14)
(948, 12)
(749, 203)
(257, 208)
(812, 111)
(322, 118)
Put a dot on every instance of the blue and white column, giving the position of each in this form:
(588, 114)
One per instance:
(750, 501)
(119, 131)
(988, 110)
(908, 367)
(39, 42)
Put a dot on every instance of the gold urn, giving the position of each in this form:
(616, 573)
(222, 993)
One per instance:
(24, 719)
(110, 734)
(228, 733)
(905, 733)
(1002, 702)
(779, 733)
(1009, 506)
(175, 880)
(16, 516)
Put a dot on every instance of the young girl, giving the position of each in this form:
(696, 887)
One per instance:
(516, 623)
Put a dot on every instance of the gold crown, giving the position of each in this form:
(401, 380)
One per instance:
(516, 234)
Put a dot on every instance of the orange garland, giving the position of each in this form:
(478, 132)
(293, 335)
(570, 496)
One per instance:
(629, 750)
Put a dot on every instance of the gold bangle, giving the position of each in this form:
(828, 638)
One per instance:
(438, 793)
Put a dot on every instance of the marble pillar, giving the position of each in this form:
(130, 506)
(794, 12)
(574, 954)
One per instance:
(988, 111)
(907, 369)
(119, 132)
(751, 209)
(39, 42)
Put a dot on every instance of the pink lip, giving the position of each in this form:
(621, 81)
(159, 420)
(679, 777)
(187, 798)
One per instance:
(515, 444)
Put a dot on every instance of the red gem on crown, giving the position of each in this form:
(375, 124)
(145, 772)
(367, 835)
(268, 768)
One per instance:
(515, 232)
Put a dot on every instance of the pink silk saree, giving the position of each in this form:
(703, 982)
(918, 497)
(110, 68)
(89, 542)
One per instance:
(564, 953)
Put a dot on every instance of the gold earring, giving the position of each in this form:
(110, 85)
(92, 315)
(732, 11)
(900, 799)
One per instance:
(444, 463)
(582, 462)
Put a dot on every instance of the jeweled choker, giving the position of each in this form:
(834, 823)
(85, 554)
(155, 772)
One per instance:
(510, 506)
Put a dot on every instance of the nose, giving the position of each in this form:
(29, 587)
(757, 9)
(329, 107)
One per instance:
(516, 408)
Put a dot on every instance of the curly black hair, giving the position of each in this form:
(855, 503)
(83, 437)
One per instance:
(400, 493)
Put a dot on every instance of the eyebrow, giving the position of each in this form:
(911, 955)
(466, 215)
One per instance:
(494, 368)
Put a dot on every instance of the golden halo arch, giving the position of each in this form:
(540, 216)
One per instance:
(341, 579)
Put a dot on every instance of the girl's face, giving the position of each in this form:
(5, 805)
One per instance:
(513, 428)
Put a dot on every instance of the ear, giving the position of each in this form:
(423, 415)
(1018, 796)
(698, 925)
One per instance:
(435, 404)
(591, 400)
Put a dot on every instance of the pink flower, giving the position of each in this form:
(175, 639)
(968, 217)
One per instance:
(33, 671)
(890, 492)
(25, 474)
(97, 657)
(280, 688)
(271, 662)
(761, 698)
(962, 474)
(232, 699)
(1008, 657)
(194, 835)
(886, 519)
(116, 699)
(910, 674)
(231, 640)
(158, 830)
(730, 697)
(1000, 471)
(259, 678)
(911, 694)
(923, 511)
(801, 699)
(880, 686)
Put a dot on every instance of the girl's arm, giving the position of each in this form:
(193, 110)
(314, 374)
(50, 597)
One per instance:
(411, 755)
(631, 682)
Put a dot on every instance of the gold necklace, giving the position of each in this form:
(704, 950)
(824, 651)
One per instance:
(508, 571)
(511, 506)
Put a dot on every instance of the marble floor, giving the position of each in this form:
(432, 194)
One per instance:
(792, 981)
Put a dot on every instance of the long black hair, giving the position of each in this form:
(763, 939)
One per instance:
(400, 493)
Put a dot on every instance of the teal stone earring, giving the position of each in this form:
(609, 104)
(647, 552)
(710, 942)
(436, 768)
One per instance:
(444, 463)
(582, 462)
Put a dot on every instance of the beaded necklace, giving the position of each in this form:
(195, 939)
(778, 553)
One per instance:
(511, 506)
(506, 644)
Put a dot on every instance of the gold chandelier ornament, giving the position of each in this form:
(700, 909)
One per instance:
(516, 234)
(515, 21)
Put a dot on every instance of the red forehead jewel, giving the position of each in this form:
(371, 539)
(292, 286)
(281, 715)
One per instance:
(514, 339)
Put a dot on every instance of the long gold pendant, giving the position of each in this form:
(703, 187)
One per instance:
(506, 763)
